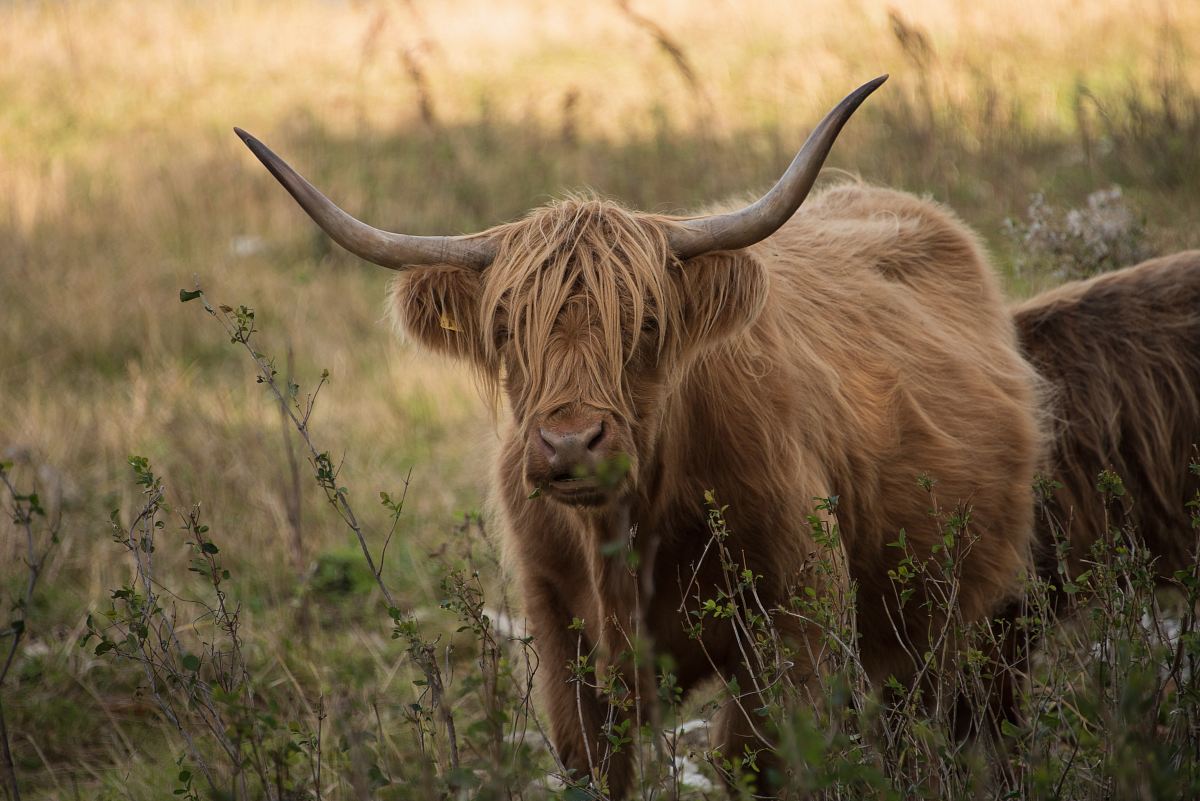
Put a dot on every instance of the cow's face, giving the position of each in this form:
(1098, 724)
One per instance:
(587, 322)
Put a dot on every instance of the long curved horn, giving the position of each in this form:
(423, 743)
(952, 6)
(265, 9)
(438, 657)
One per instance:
(395, 251)
(763, 217)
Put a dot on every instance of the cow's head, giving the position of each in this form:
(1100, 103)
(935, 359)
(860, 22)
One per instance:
(585, 313)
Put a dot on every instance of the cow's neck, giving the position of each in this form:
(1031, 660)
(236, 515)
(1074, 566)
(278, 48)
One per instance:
(620, 555)
(705, 442)
(709, 440)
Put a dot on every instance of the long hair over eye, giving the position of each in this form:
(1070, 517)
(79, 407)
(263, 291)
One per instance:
(590, 251)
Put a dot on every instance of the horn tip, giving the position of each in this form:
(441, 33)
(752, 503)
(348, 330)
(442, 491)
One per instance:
(860, 94)
(245, 137)
(256, 147)
(261, 151)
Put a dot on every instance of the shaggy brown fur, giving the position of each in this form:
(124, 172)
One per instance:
(864, 344)
(1121, 353)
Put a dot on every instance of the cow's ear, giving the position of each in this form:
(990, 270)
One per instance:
(723, 294)
(438, 307)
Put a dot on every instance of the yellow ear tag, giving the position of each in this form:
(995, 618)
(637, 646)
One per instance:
(447, 322)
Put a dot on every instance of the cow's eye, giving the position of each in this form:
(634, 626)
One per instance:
(649, 326)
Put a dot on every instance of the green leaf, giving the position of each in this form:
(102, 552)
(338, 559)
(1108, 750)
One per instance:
(209, 547)
(462, 778)
(191, 662)
(377, 778)
(185, 295)
(612, 548)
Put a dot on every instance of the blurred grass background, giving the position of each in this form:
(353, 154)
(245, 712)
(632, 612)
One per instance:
(120, 180)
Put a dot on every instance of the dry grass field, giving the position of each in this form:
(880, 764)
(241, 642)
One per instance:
(121, 183)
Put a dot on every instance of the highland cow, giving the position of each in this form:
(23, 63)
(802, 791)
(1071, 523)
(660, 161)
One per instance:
(766, 356)
(1121, 357)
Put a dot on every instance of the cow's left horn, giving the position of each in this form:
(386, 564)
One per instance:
(763, 217)
(396, 251)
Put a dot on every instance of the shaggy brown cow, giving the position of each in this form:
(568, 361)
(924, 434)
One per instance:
(1121, 354)
(770, 358)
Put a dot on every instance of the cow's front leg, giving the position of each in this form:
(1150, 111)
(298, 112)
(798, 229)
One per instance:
(778, 655)
(745, 731)
(565, 676)
(624, 668)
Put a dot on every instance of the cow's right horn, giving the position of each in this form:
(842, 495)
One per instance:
(763, 217)
(395, 251)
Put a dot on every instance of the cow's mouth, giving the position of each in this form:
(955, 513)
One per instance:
(585, 491)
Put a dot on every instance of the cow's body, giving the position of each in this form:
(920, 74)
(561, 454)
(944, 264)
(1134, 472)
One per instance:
(770, 357)
(883, 352)
(1121, 355)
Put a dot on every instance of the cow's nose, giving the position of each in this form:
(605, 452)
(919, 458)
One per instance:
(575, 448)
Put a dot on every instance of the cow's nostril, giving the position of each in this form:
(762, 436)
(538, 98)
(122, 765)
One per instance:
(595, 441)
(547, 439)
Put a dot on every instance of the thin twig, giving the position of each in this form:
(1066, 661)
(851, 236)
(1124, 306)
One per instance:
(337, 495)
(23, 511)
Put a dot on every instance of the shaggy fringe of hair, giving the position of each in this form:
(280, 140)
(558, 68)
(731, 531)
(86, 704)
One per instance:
(579, 250)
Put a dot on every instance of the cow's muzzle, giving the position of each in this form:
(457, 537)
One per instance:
(579, 458)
